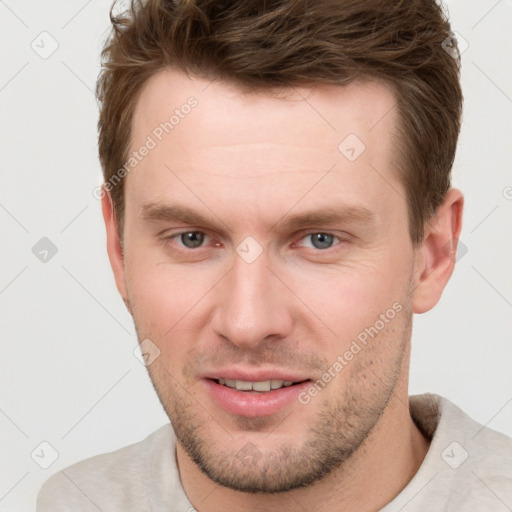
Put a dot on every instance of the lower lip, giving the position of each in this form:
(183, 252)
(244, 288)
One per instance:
(254, 404)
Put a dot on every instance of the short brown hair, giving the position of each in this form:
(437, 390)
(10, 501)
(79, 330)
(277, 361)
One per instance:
(264, 44)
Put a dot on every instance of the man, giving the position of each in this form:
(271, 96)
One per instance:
(277, 203)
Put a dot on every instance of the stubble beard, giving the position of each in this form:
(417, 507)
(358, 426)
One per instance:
(339, 430)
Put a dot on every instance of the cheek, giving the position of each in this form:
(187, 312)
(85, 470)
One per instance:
(165, 297)
(160, 306)
(350, 299)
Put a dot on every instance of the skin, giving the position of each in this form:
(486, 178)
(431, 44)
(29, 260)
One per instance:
(247, 162)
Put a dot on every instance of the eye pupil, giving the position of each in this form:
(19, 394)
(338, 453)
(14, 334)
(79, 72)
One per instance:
(192, 239)
(321, 240)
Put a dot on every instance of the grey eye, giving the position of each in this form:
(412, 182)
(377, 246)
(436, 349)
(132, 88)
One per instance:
(192, 239)
(321, 240)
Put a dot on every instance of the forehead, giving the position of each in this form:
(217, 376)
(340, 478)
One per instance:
(329, 111)
(265, 146)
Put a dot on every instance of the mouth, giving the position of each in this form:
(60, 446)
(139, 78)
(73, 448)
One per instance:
(255, 398)
(262, 386)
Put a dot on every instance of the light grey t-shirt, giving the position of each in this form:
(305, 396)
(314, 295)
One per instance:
(467, 468)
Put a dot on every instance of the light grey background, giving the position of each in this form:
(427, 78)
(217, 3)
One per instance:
(68, 373)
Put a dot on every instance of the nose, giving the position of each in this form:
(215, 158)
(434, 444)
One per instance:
(251, 304)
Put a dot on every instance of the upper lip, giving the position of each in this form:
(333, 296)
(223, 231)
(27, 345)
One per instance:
(256, 375)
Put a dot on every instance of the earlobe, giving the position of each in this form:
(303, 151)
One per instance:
(114, 247)
(435, 260)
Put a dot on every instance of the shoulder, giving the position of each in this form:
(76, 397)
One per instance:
(468, 465)
(444, 422)
(481, 456)
(113, 481)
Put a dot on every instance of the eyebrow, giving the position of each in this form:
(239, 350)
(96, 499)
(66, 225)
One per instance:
(173, 213)
(326, 216)
(317, 217)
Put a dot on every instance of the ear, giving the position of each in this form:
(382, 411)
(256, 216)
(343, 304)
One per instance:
(114, 247)
(435, 258)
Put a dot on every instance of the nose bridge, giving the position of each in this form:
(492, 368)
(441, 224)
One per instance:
(250, 307)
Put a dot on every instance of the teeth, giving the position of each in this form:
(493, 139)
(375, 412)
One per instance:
(242, 385)
(276, 384)
(261, 386)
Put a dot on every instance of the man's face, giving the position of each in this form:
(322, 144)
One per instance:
(258, 250)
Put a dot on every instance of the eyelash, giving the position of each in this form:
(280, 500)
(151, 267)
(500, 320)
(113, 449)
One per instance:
(303, 236)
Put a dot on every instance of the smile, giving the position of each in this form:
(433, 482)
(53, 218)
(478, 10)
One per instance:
(262, 386)
(254, 398)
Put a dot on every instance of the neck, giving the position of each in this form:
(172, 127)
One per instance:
(382, 466)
